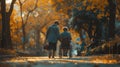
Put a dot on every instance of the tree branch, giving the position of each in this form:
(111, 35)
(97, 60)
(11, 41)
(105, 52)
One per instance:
(34, 7)
(30, 11)
(27, 18)
(24, 1)
(21, 3)
(118, 9)
(11, 7)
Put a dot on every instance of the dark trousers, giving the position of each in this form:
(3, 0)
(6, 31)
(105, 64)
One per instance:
(51, 49)
(64, 52)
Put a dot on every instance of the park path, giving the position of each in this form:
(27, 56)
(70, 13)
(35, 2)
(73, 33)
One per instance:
(88, 61)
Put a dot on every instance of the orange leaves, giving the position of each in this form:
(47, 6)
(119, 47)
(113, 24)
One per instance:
(89, 0)
(15, 25)
(100, 4)
(60, 0)
(15, 37)
(105, 2)
(70, 4)
(32, 42)
(100, 16)
(42, 3)
(84, 2)
(29, 5)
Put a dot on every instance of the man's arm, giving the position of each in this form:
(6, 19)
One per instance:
(70, 37)
(58, 33)
(47, 33)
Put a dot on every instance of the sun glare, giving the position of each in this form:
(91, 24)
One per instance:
(8, 1)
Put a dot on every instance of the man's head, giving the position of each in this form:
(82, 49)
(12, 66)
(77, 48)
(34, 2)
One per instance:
(56, 22)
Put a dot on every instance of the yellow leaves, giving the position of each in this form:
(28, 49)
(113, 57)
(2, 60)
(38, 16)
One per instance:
(84, 3)
(95, 2)
(99, 16)
(42, 3)
(15, 37)
(74, 35)
(60, 0)
(52, 2)
(29, 4)
(100, 4)
(105, 2)
(7, 51)
(15, 25)
(20, 47)
(32, 42)
(107, 14)
(90, 7)
(88, 0)
(12, 16)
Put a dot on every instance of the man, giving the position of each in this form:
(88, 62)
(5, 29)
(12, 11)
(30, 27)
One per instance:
(52, 37)
(65, 39)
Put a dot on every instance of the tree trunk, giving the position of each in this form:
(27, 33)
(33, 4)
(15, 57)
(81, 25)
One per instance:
(90, 30)
(9, 45)
(6, 37)
(24, 36)
(3, 11)
(0, 27)
(112, 12)
(37, 39)
(98, 32)
(38, 46)
(23, 26)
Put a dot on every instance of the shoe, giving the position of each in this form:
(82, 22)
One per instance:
(53, 57)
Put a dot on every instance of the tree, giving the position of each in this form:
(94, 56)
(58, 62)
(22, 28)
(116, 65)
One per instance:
(24, 22)
(0, 25)
(6, 37)
(112, 17)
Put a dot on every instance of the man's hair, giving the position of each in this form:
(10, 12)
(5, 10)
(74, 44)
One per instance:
(56, 22)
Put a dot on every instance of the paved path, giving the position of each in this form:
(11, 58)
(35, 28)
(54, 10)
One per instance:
(90, 61)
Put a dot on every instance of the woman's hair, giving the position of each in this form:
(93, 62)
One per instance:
(65, 28)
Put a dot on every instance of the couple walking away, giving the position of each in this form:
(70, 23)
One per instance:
(52, 37)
